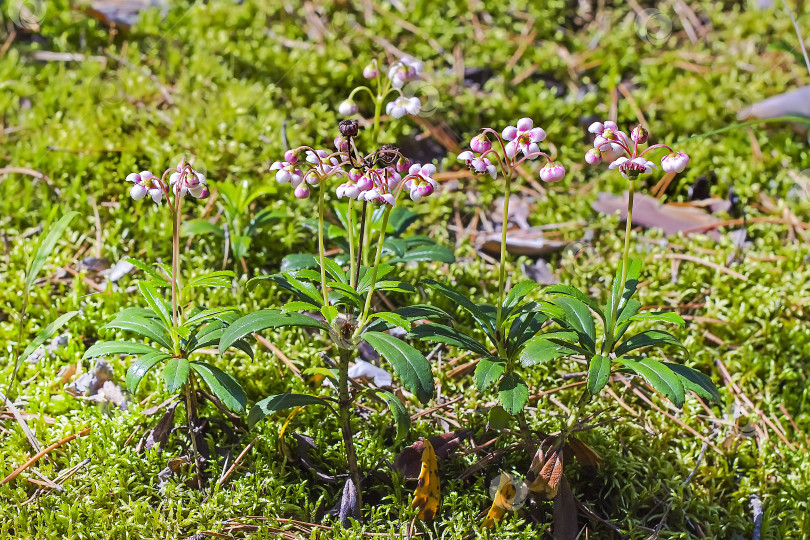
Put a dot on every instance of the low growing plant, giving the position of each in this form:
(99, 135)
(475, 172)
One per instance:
(176, 330)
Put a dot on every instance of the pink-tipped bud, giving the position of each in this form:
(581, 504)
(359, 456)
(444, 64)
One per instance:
(371, 70)
(403, 165)
(593, 156)
(291, 156)
(348, 108)
(341, 143)
(552, 172)
(480, 144)
(302, 191)
(675, 162)
(639, 135)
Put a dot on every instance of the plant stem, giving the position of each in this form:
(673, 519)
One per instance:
(178, 202)
(352, 261)
(625, 257)
(191, 418)
(377, 258)
(502, 265)
(344, 411)
(360, 244)
(526, 432)
(321, 252)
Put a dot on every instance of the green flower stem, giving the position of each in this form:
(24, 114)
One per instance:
(526, 432)
(361, 243)
(178, 200)
(377, 258)
(191, 418)
(352, 261)
(625, 261)
(502, 265)
(344, 413)
(321, 251)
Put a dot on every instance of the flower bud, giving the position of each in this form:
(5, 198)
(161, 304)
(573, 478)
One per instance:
(552, 172)
(639, 135)
(675, 162)
(403, 165)
(349, 128)
(138, 192)
(348, 108)
(341, 143)
(302, 191)
(481, 143)
(593, 156)
(371, 70)
(291, 156)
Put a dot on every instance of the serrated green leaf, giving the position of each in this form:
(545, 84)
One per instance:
(222, 278)
(513, 393)
(206, 315)
(598, 373)
(148, 269)
(661, 316)
(409, 364)
(461, 300)
(262, 320)
(578, 317)
(224, 387)
(280, 402)
(541, 349)
(138, 369)
(176, 374)
(487, 371)
(579, 295)
(394, 319)
(155, 302)
(439, 333)
(142, 326)
(659, 376)
(646, 339)
(200, 227)
(699, 383)
(105, 348)
(402, 419)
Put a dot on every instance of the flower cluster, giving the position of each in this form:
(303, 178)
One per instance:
(404, 70)
(378, 177)
(622, 152)
(522, 138)
(183, 180)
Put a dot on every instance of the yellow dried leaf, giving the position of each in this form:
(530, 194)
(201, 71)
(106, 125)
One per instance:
(545, 473)
(428, 491)
(503, 501)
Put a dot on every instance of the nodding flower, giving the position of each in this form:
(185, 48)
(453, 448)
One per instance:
(371, 70)
(403, 105)
(145, 183)
(674, 162)
(404, 70)
(632, 168)
(287, 173)
(348, 107)
(552, 172)
(478, 165)
(420, 182)
(187, 180)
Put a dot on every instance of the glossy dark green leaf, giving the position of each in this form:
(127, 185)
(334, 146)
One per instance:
(625, 319)
(155, 302)
(646, 339)
(148, 269)
(402, 419)
(541, 349)
(298, 261)
(409, 364)
(393, 319)
(138, 369)
(200, 227)
(578, 317)
(432, 253)
(142, 326)
(439, 333)
(659, 376)
(513, 393)
(464, 302)
(622, 296)
(224, 387)
(487, 371)
(105, 348)
(661, 316)
(221, 278)
(262, 320)
(206, 315)
(280, 402)
(699, 383)
(598, 373)
(175, 373)
(573, 292)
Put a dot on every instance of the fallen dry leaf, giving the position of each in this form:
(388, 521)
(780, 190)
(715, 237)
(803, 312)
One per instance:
(793, 103)
(649, 212)
(545, 472)
(408, 462)
(428, 491)
(530, 242)
(504, 497)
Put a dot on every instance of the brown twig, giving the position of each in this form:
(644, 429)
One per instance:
(36, 458)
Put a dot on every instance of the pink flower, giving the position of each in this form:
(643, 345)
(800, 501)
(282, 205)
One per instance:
(341, 143)
(291, 156)
(404, 70)
(609, 139)
(481, 143)
(301, 191)
(287, 173)
(675, 162)
(189, 181)
(348, 189)
(552, 172)
(631, 168)
(402, 106)
(478, 165)
(523, 138)
(639, 135)
(320, 163)
(420, 182)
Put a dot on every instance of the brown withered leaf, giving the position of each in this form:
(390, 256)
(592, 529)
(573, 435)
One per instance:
(649, 212)
(160, 433)
(585, 455)
(347, 507)
(546, 471)
(530, 242)
(409, 461)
